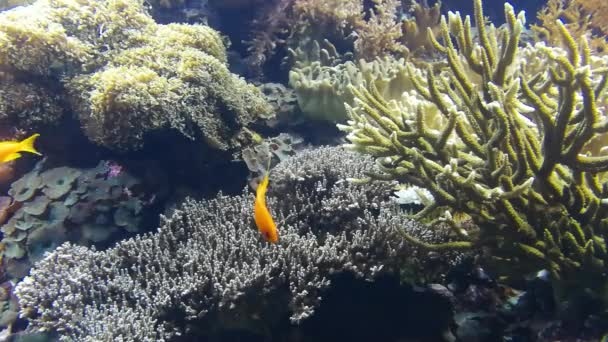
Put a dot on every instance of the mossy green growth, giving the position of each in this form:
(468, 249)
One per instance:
(510, 149)
(178, 80)
(125, 75)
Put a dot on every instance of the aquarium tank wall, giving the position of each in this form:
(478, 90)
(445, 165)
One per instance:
(303, 170)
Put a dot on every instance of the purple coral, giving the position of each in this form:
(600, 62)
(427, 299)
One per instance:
(114, 169)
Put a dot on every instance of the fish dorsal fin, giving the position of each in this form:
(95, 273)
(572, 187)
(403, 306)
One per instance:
(11, 156)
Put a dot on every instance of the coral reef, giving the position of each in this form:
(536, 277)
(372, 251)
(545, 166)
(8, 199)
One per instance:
(9, 307)
(207, 266)
(91, 206)
(378, 36)
(8, 4)
(508, 152)
(415, 29)
(284, 102)
(125, 74)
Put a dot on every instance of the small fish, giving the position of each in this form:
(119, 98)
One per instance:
(262, 216)
(9, 150)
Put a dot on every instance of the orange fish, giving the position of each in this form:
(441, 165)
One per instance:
(9, 150)
(262, 216)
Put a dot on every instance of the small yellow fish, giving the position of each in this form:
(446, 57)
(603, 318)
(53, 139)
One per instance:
(9, 150)
(262, 216)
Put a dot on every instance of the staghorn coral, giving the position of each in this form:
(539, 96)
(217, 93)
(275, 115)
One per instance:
(509, 152)
(124, 75)
(207, 262)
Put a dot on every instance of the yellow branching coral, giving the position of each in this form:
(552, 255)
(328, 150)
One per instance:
(509, 150)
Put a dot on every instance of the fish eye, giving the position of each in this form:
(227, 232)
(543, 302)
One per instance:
(267, 235)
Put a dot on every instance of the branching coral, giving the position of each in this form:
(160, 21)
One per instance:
(415, 36)
(208, 261)
(508, 151)
(582, 17)
(378, 35)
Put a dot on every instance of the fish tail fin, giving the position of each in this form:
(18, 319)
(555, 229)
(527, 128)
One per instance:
(27, 144)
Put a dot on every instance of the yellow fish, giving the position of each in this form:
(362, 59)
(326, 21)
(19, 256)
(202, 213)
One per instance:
(9, 150)
(262, 216)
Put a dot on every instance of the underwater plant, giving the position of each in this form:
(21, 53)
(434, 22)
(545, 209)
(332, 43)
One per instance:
(506, 149)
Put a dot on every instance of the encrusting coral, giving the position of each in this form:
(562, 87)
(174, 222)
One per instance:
(208, 262)
(508, 150)
(85, 206)
(124, 74)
